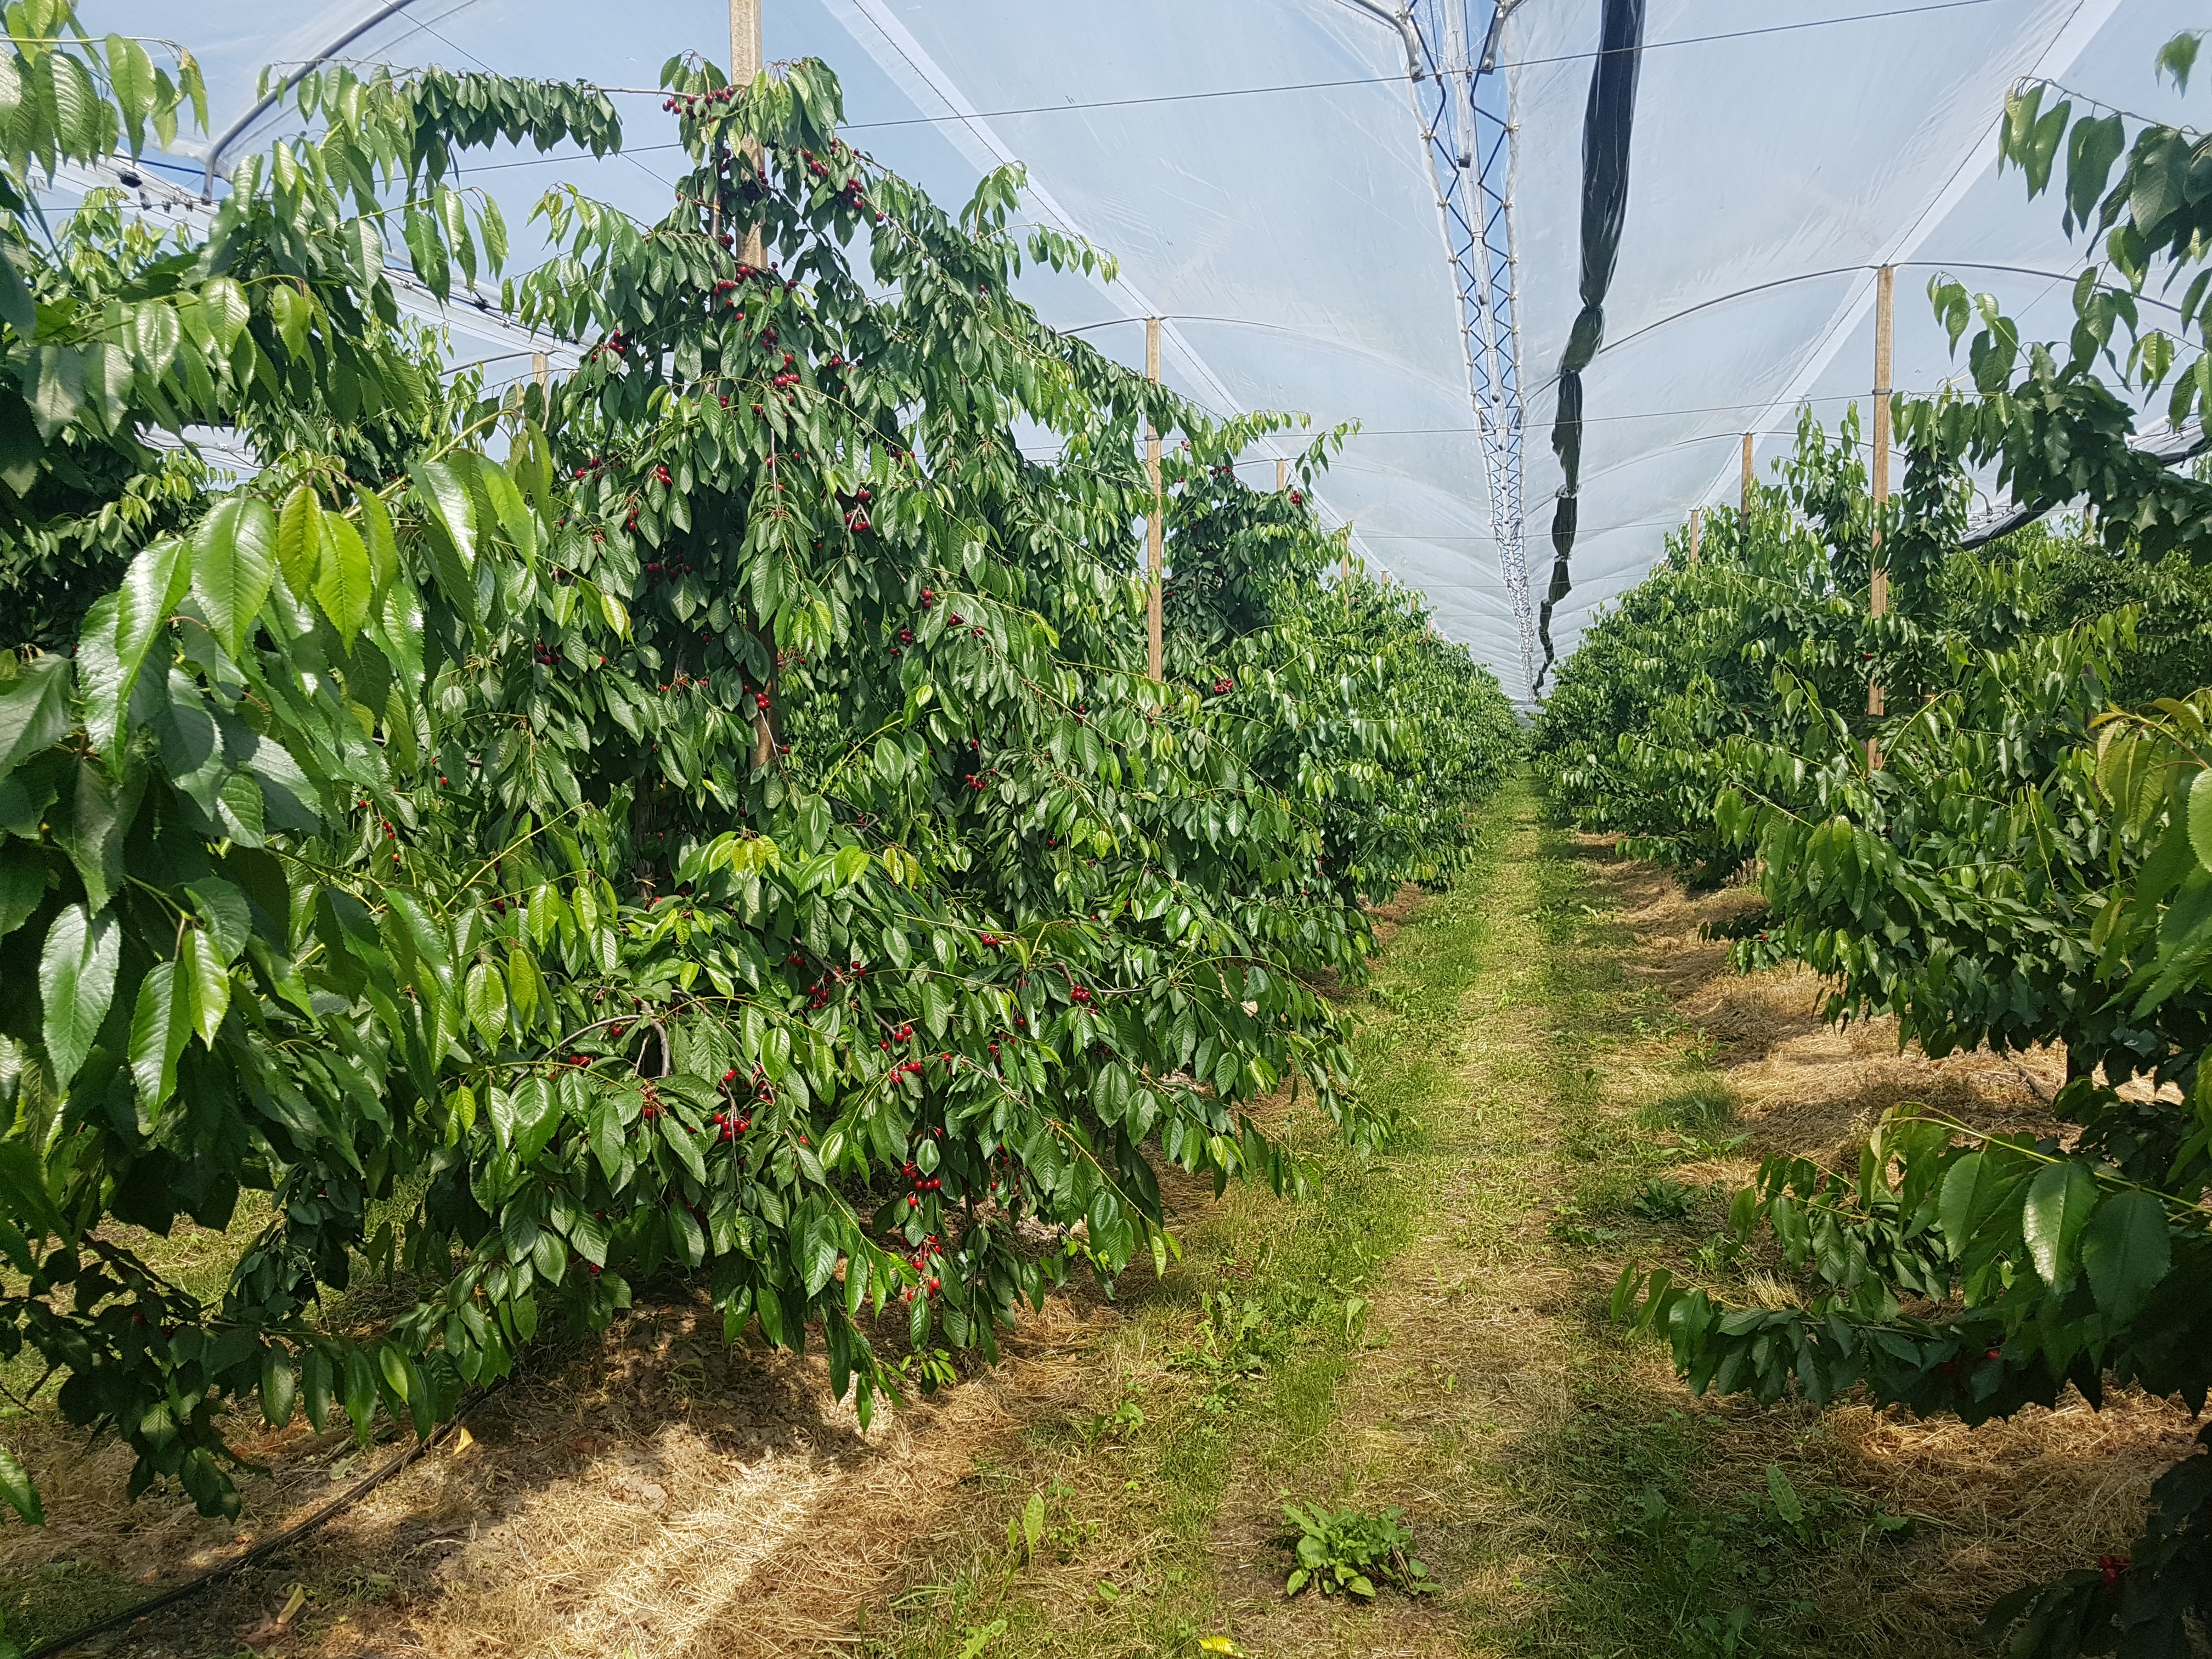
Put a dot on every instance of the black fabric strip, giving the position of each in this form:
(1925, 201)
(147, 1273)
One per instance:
(1607, 124)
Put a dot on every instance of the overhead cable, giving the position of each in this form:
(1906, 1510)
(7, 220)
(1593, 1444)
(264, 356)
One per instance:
(1071, 107)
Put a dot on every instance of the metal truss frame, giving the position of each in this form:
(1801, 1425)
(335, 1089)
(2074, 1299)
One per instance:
(1468, 132)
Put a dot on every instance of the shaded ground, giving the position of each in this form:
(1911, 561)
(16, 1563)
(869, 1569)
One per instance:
(1424, 1330)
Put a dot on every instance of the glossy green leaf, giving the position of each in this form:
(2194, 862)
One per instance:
(99, 812)
(345, 584)
(2200, 817)
(157, 579)
(299, 541)
(160, 1028)
(486, 1001)
(34, 706)
(232, 563)
(76, 983)
(202, 966)
(2058, 1206)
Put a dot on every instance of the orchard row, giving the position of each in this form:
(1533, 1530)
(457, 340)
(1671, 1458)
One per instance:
(2018, 852)
(709, 816)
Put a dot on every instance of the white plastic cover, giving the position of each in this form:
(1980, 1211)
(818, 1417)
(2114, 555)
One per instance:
(1259, 169)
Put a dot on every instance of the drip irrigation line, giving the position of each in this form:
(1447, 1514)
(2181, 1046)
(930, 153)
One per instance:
(269, 1547)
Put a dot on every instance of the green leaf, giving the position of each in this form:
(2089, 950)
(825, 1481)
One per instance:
(1787, 1503)
(17, 1487)
(76, 982)
(130, 78)
(680, 1142)
(160, 1028)
(383, 547)
(203, 969)
(22, 884)
(35, 708)
(607, 1138)
(233, 564)
(2200, 817)
(2059, 1200)
(292, 311)
(451, 504)
(316, 1389)
(53, 378)
(396, 1375)
(485, 999)
(2126, 1251)
(359, 1391)
(100, 813)
(506, 502)
(2094, 146)
(522, 986)
(100, 676)
(420, 232)
(300, 539)
(344, 586)
(17, 308)
(227, 312)
(1960, 1204)
(280, 1388)
(2177, 56)
(222, 906)
(156, 581)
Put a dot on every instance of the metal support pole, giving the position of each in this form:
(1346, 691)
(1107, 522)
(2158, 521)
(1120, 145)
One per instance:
(1878, 586)
(1154, 563)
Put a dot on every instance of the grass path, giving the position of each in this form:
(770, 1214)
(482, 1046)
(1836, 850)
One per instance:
(1427, 1331)
(1424, 1330)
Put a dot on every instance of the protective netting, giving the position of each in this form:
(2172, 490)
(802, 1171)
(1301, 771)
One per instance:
(1264, 174)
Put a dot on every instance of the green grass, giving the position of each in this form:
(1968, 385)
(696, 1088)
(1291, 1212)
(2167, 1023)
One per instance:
(1236, 1362)
(1570, 1497)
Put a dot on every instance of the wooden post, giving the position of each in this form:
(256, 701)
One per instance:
(1697, 525)
(541, 373)
(1885, 285)
(1743, 513)
(1154, 646)
(1282, 474)
(745, 63)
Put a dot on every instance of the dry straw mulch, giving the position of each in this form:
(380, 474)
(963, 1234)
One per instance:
(2010, 1502)
(659, 1493)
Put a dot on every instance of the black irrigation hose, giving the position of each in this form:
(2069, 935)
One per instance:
(1606, 126)
(262, 1551)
